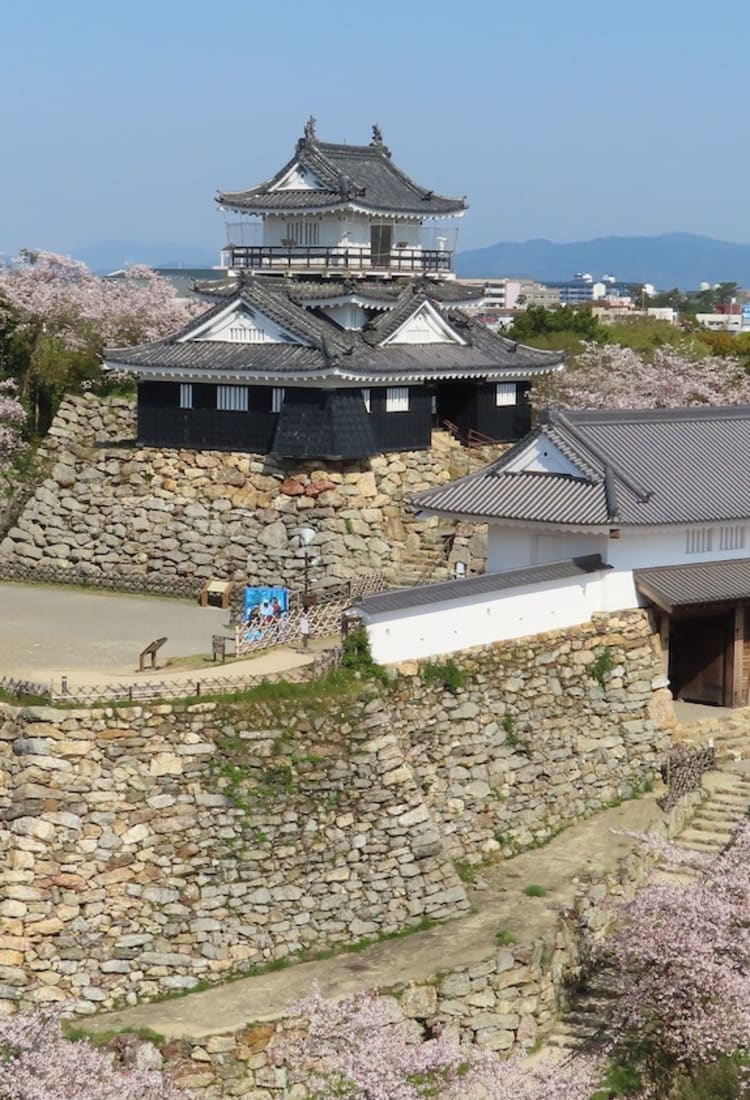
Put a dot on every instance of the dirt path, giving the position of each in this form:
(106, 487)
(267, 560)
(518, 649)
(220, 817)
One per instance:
(500, 904)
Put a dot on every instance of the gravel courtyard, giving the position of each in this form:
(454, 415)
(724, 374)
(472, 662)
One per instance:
(47, 631)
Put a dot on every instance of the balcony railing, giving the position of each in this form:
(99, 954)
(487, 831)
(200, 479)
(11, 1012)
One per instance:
(317, 258)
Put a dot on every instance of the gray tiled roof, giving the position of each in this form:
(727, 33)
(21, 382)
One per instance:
(654, 466)
(381, 292)
(691, 585)
(328, 350)
(352, 175)
(486, 584)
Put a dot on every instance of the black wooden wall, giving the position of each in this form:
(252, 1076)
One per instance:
(319, 423)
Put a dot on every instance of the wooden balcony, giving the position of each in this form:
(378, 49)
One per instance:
(317, 259)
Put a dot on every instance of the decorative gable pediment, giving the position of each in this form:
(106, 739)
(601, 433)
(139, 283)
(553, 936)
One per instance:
(424, 326)
(541, 456)
(241, 324)
(298, 178)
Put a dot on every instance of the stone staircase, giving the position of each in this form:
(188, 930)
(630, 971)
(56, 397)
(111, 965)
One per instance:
(584, 1025)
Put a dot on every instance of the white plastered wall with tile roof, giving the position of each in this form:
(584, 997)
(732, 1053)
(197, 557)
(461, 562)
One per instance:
(436, 630)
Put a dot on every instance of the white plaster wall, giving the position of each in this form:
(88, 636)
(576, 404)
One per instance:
(511, 547)
(459, 624)
(340, 230)
(514, 547)
(668, 546)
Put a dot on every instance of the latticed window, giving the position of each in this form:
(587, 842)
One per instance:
(699, 541)
(277, 399)
(366, 399)
(245, 334)
(186, 395)
(397, 399)
(303, 232)
(732, 537)
(505, 393)
(232, 398)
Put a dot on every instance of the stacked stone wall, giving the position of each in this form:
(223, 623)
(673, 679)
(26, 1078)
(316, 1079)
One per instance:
(111, 509)
(150, 847)
(540, 734)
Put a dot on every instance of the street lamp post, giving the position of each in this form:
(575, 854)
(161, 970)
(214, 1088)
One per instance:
(306, 538)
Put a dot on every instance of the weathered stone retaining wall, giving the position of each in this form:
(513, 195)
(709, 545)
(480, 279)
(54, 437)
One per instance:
(150, 847)
(508, 1000)
(112, 509)
(544, 731)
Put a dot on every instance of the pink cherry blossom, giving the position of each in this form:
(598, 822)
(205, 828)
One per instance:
(613, 377)
(360, 1049)
(38, 1063)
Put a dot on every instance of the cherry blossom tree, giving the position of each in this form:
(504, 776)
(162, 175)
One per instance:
(38, 1063)
(359, 1048)
(12, 419)
(56, 316)
(682, 952)
(613, 377)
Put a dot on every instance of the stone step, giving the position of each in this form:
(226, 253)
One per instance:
(695, 838)
(717, 826)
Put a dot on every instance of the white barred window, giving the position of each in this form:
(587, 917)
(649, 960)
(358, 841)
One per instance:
(366, 399)
(277, 399)
(245, 334)
(397, 399)
(699, 541)
(505, 393)
(732, 537)
(304, 232)
(232, 398)
(186, 395)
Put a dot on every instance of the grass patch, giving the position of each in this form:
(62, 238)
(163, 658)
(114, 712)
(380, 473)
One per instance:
(76, 1034)
(467, 872)
(534, 890)
(445, 674)
(23, 700)
(602, 665)
(504, 938)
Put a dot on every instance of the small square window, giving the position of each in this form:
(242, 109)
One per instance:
(505, 393)
(397, 399)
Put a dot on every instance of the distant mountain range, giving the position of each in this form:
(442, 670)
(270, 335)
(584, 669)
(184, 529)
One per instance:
(671, 259)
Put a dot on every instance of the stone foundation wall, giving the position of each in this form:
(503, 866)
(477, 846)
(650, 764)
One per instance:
(538, 735)
(112, 509)
(149, 847)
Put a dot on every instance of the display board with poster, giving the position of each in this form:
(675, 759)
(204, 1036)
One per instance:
(266, 609)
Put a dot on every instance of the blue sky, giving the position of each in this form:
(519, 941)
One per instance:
(565, 120)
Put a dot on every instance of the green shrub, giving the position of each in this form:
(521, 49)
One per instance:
(445, 674)
(357, 657)
(602, 666)
(534, 890)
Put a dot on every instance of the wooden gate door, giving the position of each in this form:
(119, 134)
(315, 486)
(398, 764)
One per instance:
(700, 655)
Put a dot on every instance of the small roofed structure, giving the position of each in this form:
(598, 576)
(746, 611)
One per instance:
(336, 209)
(320, 370)
(663, 496)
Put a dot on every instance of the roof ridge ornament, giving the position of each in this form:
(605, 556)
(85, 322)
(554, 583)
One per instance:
(377, 140)
(309, 134)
